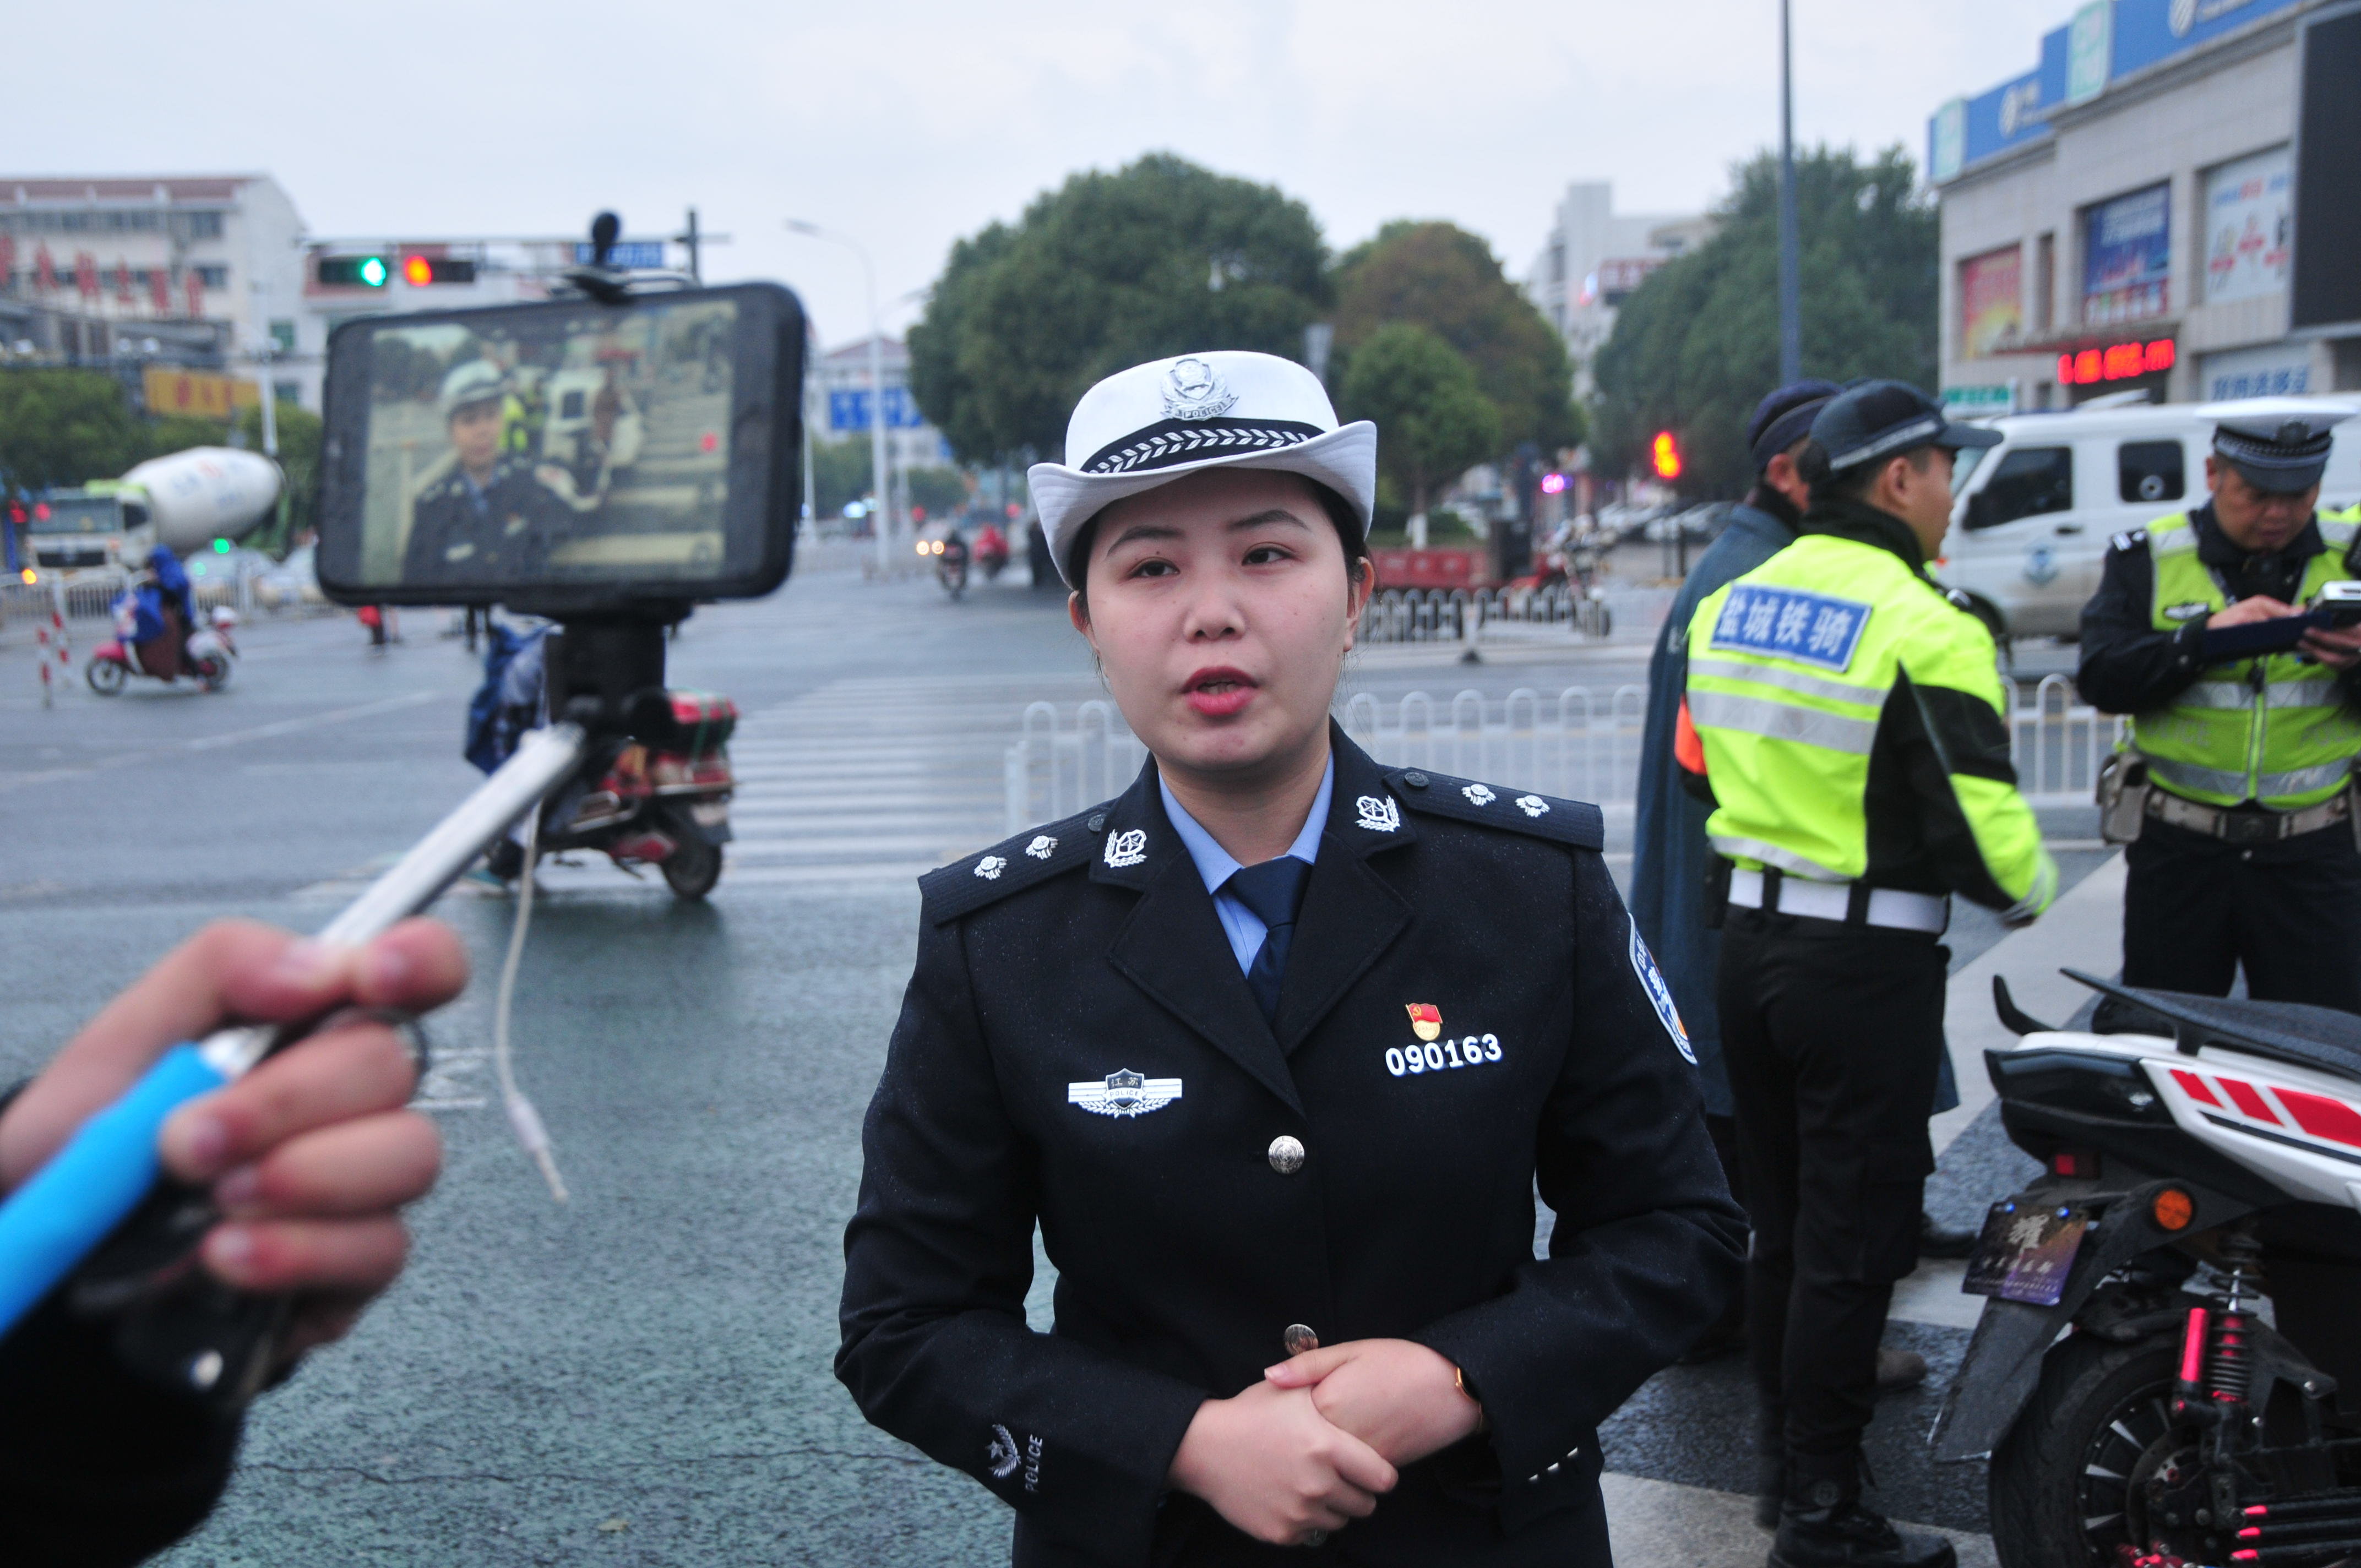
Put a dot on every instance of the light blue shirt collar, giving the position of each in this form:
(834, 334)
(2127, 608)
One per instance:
(1241, 924)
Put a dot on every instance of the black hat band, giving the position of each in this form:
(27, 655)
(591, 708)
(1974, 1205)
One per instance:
(1170, 442)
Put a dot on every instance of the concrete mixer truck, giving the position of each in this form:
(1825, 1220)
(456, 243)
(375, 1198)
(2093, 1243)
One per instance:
(183, 502)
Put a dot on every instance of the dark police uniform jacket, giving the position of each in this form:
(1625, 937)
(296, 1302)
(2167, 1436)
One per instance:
(506, 538)
(1078, 1044)
(2127, 666)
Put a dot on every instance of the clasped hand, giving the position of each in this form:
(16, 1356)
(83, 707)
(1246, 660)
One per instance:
(1314, 1445)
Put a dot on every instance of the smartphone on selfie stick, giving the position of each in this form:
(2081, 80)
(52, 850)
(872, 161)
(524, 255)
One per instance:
(605, 459)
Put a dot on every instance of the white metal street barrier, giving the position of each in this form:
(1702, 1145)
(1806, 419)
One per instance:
(1459, 615)
(1576, 745)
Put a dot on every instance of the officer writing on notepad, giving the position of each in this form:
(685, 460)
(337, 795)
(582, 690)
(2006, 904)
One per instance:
(2235, 785)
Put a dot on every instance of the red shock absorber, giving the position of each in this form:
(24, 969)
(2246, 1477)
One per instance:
(2232, 1371)
(2191, 1387)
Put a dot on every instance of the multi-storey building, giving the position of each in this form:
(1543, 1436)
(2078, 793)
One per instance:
(1593, 258)
(2166, 204)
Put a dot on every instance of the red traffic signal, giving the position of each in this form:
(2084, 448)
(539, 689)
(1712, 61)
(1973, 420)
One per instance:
(419, 271)
(1664, 456)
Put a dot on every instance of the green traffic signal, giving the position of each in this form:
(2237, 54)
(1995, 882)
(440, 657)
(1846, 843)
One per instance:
(353, 271)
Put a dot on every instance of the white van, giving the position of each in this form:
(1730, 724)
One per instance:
(2032, 517)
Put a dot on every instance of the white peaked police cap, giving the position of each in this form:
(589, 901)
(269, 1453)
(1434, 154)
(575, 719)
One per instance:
(1150, 424)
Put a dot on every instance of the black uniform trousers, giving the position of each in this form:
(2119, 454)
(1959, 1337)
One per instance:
(1831, 1033)
(2196, 909)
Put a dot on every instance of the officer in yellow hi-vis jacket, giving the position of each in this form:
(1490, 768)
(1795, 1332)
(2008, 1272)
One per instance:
(2234, 786)
(1849, 723)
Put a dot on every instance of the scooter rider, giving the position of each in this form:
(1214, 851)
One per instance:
(1850, 724)
(2235, 787)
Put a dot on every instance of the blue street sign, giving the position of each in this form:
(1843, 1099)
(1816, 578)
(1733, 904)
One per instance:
(643, 254)
(850, 411)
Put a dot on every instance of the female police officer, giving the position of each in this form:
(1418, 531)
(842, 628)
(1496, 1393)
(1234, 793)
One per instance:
(1274, 1048)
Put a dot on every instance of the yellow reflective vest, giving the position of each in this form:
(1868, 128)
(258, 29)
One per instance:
(2276, 730)
(1853, 724)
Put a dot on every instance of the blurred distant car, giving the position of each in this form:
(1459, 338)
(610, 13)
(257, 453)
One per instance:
(291, 584)
(1696, 524)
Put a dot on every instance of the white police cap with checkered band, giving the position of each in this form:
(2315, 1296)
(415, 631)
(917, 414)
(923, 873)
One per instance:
(1150, 424)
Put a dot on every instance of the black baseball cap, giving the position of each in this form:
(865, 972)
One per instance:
(1871, 420)
(1784, 418)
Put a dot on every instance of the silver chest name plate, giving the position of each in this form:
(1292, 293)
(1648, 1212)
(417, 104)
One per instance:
(1124, 1093)
(1660, 994)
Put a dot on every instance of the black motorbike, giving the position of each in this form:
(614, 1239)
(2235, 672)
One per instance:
(2168, 1370)
(951, 563)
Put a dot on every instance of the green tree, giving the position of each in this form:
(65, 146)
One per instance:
(941, 490)
(840, 475)
(1434, 421)
(1697, 346)
(1159, 258)
(63, 427)
(1447, 280)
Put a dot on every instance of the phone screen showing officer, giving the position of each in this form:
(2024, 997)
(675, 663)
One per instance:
(565, 457)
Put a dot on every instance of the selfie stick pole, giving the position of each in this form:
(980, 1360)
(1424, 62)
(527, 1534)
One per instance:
(68, 1207)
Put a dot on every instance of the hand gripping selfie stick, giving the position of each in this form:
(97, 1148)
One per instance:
(72, 1203)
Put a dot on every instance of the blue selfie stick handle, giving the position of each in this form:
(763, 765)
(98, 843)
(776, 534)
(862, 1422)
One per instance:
(75, 1202)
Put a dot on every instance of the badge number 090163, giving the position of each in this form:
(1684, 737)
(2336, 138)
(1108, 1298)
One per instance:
(1441, 1055)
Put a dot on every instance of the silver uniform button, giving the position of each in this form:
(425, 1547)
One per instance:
(1286, 1154)
(1299, 1338)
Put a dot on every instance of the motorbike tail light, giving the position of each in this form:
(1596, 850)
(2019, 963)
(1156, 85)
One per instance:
(2081, 1163)
(2172, 1210)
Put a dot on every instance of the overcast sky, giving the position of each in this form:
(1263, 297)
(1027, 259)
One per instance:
(909, 123)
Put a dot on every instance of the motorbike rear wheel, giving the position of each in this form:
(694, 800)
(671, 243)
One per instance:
(213, 671)
(2064, 1481)
(694, 865)
(106, 676)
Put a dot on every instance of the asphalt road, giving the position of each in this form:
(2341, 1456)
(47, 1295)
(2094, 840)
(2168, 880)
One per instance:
(643, 1376)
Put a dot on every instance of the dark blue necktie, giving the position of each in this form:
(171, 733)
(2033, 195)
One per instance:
(1274, 891)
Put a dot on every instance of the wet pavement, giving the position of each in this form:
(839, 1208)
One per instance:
(643, 1376)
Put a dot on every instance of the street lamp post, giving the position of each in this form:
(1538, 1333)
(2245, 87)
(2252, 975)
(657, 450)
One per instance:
(883, 513)
(1791, 292)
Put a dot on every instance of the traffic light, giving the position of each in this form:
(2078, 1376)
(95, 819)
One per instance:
(1664, 453)
(419, 271)
(353, 271)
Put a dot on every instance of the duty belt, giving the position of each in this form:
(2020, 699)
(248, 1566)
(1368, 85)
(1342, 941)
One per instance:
(2264, 827)
(1849, 903)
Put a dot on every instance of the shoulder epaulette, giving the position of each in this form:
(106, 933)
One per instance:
(1574, 822)
(967, 885)
(2130, 539)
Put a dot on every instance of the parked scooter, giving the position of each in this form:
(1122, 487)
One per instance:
(206, 654)
(2168, 1372)
(662, 800)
